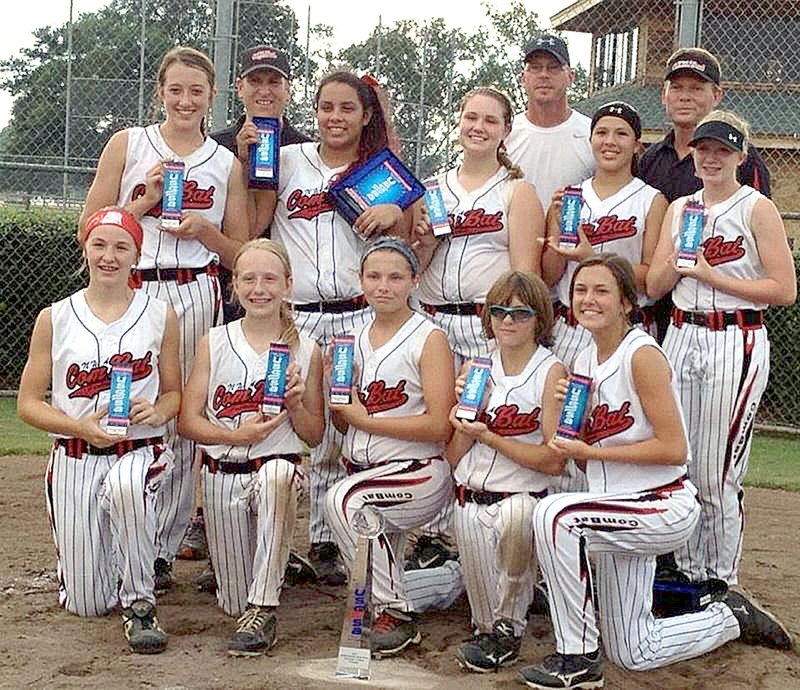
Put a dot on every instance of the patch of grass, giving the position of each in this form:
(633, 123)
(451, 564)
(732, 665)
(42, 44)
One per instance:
(774, 460)
(17, 438)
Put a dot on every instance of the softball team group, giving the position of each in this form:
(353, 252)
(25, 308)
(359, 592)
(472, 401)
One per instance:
(658, 468)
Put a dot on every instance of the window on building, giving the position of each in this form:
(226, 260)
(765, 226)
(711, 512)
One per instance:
(615, 59)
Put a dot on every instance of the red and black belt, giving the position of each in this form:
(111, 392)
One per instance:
(179, 275)
(642, 315)
(487, 498)
(345, 305)
(460, 309)
(246, 466)
(746, 319)
(77, 447)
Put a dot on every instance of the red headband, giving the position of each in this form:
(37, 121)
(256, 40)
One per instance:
(119, 217)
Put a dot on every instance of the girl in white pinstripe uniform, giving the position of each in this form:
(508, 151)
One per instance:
(251, 473)
(640, 504)
(396, 427)
(717, 341)
(101, 489)
(501, 467)
(324, 251)
(178, 266)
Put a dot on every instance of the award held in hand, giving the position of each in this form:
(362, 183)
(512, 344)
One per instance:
(382, 179)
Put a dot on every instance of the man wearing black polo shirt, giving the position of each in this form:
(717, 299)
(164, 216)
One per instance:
(691, 91)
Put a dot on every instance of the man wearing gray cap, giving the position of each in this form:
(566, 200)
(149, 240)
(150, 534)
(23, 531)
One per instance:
(550, 141)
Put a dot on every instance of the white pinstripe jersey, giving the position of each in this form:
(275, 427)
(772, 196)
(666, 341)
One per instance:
(728, 245)
(467, 262)
(85, 348)
(617, 418)
(323, 248)
(205, 192)
(391, 386)
(236, 389)
(615, 225)
(515, 411)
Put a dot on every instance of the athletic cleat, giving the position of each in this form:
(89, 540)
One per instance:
(540, 606)
(757, 626)
(207, 580)
(392, 632)
(492, 651)
(162, 576)
(565, 671)
(299, 570)
(194, 546)
(142, 630)
(257, 632)
(430, 552)
(327, 563)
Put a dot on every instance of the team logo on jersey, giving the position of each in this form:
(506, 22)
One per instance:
(230, 404)
(717, 250)
(507, 420)
(475, 222)
(194, 198)
(307, 206)
(604, 423)
(379, 397)
(609, 228)
(87, 382)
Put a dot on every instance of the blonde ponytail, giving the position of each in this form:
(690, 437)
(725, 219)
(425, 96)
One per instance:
(514, 171)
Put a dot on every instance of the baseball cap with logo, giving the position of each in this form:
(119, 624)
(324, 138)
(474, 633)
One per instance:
(694, 62)
(548, 43)
(719, 131)
(264, 57)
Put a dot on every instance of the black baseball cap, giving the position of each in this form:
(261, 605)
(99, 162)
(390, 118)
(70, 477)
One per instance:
(264, 57)
(694, 62)
(548, 43)
(719, 131)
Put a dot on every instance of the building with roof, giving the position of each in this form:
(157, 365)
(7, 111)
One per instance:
(756, 43)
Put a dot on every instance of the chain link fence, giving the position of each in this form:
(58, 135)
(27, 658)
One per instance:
(86, 79)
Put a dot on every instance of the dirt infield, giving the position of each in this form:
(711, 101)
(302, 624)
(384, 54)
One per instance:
(42, 646)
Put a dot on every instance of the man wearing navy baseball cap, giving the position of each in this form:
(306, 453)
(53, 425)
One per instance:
(691, 91)
(549, 141)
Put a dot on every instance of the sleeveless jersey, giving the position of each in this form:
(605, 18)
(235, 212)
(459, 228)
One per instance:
(514, 411)
(615, 225)
(324, 250)
(617, 418)
(391, 386)
(205, 191)
(85, 348)
(236, 391)
(467, 262)
(728, 245)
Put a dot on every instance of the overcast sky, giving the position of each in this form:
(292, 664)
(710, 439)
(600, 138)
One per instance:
(351, 20)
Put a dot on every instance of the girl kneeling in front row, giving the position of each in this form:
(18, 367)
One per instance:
(251, 474)
(502, 465)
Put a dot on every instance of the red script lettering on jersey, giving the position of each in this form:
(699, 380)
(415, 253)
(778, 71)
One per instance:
(509, 421)
(194, 198)
(230, 404)
(719, 251)
(609, 228)
(307, 206)
(380, 398)
(87, 383)
(604, 423)
(475, 222)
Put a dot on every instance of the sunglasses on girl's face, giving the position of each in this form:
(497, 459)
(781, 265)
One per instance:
(517, 314)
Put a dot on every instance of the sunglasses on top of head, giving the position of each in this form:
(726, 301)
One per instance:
(517, 314)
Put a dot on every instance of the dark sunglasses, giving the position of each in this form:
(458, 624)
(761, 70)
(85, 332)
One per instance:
(517, 314)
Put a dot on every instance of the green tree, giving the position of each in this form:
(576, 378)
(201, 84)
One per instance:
(105, 84)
